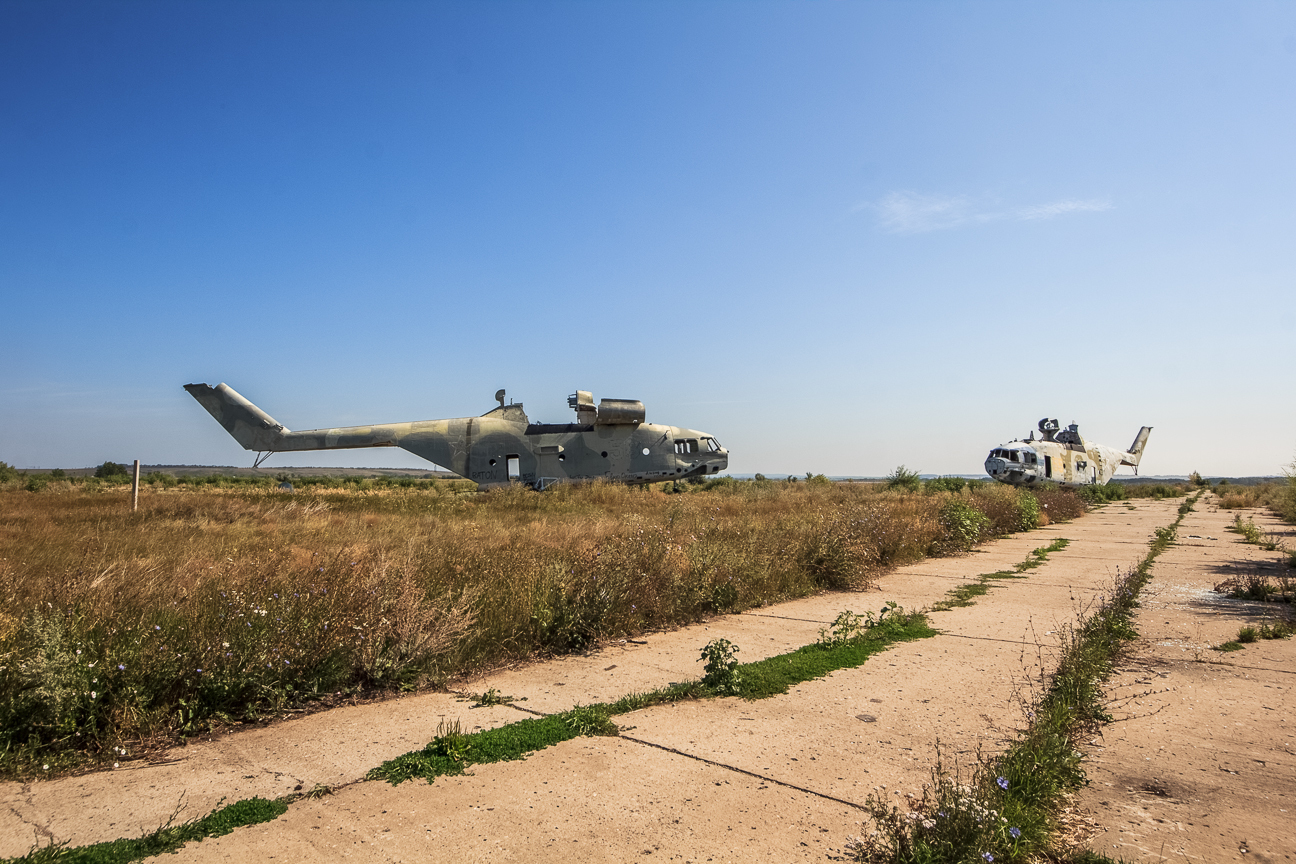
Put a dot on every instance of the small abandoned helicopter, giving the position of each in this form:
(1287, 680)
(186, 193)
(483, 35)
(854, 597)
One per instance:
(610, 441)
(1061, 456)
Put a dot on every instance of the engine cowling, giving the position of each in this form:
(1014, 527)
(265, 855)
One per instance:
(620, 412)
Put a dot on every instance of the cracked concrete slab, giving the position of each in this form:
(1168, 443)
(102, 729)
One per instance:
(1200, 762)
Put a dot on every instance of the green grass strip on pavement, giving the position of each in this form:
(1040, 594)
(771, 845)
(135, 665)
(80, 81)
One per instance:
(962, 595)
(451, 752)
(168, 838)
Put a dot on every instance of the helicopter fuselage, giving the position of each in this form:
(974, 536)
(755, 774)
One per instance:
(1061, 457)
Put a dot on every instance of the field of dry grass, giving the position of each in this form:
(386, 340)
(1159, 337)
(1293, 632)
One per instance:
(1278, 497)
(213, 606)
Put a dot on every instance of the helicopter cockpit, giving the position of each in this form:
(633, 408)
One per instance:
(1013, 464)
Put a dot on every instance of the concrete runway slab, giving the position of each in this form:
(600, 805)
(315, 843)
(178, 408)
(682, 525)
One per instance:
(1200, 764)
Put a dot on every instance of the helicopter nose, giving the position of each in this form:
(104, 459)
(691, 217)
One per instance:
(995, 466)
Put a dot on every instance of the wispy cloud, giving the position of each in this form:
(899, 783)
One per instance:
(1061, 208)
(912, 213)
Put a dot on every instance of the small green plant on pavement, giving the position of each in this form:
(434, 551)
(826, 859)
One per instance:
(720, 666)
(490, 698)
(1249, 635)
(590, 720)
(845, 627)
(450, 742)
(849, 627)
(1249, 531)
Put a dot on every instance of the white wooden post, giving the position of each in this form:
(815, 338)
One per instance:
(135, 488)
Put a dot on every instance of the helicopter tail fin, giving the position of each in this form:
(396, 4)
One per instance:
(248, 424)
(1135, 453)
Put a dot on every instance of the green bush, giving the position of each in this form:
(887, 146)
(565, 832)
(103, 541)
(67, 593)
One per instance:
(904, 479)
(110, 469)
(963, 525)
(1028, 512)
(1286, 501)
(1156, 490)
(1104, 494)
(945, 484)
(7, 472)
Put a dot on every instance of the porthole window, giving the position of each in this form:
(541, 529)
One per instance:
(604, 454)
(646, 451)
(492, 462)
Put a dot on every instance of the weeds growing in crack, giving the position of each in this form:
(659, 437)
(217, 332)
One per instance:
(1249, 635)
(762, 679)
(1260, 587)
(490, 698)
(962, 595)
(168, 837)
(1007, 808)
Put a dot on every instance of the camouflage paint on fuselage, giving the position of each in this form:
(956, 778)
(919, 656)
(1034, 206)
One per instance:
(1061, 457)
(611, 442)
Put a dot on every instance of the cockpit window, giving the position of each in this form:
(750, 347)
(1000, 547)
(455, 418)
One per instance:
(712, 444)
(686, 445)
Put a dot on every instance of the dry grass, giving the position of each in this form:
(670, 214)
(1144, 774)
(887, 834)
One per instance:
(1280, 497)
(213, 606)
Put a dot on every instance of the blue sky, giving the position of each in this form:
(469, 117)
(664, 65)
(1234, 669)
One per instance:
(839, 236)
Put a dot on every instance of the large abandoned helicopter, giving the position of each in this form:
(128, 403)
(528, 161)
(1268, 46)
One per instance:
(611, 441)
(1061, 457)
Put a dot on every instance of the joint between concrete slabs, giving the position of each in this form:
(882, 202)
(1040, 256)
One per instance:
(761, 777)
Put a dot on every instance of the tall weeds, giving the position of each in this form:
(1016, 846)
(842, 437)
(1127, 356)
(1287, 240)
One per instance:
(217, 606)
